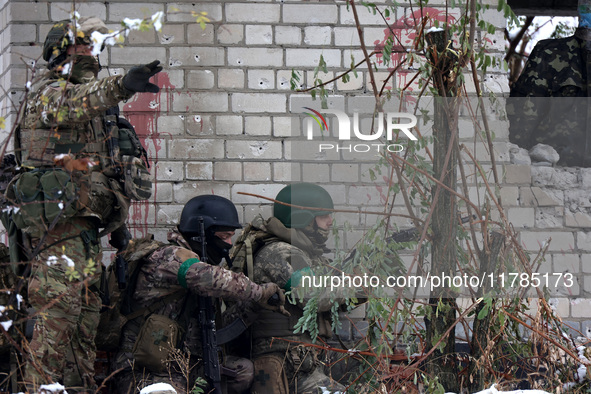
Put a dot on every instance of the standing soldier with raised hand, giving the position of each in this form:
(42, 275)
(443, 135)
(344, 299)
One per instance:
(76, 188)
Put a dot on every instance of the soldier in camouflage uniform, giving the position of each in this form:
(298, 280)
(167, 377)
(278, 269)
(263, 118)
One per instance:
(66, 196)
(175, 268)
(546, 105)
(296, 244)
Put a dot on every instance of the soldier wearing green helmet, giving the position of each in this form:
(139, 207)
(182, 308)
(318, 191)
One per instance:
(73, 190)
(303, 202)
(294, 243)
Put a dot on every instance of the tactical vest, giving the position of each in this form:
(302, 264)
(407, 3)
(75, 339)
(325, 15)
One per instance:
(39, 147)
(100, 186)
(272, 324)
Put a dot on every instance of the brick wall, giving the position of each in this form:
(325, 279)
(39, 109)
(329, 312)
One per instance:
(222, 122)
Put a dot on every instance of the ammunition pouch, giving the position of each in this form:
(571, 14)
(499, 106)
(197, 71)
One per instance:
(61, 197)
(42, 197)
(101, 199)
(138, 185)
(125, 158)
(129, 143)
(155, 342)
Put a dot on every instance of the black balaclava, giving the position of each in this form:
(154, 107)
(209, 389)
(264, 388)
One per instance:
(216, 248)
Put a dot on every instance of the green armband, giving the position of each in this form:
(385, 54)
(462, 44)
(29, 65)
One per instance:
(182, 272)
(296, 278)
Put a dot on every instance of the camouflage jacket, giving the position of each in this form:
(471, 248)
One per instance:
(64, 127)
(276, 262)
(62, 117)
(555, 68)
(545, 104)
(158, 278)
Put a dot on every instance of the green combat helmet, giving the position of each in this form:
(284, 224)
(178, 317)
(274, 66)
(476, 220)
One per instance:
(304, 195)
(61, 36)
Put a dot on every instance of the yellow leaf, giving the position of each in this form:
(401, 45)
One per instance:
(2, 123)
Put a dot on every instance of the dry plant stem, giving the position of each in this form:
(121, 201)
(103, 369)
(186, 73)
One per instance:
(424, 356)
(102, 386)
(325, 209)
(390, 75)
(334, 349)
(427, 221)
(388, 25)
(12, 132)
(22, 351)
(511, 235)
(425, 86)
(435, 180)
(405, 197)
(366, 55)
(513, 43)
(471, 35)
(525, 263)
(468, 207)
(490, 192)
(338, 76)
(485, 122)
(391, 206)
(545, 336)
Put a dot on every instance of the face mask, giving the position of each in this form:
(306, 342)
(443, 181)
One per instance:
(317, 235)
(217, 249)
(84, 70)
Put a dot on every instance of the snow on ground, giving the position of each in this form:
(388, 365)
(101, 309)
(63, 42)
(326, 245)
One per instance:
(158, 388)
(492, 390)
(52, 388)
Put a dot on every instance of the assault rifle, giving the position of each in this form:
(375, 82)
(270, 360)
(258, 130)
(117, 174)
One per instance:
(211, 338)
(211, 363)
(407, 235)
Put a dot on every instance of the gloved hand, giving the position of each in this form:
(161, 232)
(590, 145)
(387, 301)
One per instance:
(136, 80)
(270, 302)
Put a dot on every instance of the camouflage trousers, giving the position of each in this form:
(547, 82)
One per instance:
(63, 291)
(282, 367)
(132, 381)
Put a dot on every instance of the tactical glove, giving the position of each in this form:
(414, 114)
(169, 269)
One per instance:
(273, 299)
(136, 80)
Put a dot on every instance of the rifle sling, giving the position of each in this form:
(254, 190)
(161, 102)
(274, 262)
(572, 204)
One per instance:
(249, 259)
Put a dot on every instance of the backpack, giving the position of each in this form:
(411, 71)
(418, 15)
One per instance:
(113, 317)
(248, 244)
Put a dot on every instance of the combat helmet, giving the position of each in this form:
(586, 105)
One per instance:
(303, 195)
(216, 211)
(218, 214)
(63, 34)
